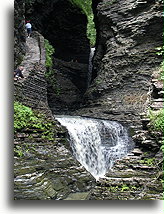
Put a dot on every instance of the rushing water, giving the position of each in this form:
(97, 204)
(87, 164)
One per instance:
(95, 143)
(92, 51)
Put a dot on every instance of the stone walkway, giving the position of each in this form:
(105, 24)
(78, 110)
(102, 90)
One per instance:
(33, 55)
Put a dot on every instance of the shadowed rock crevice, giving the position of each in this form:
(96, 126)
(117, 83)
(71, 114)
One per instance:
(65, 26)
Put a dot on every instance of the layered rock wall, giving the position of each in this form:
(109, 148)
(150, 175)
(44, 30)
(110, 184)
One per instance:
(127, 34)
(44, 167)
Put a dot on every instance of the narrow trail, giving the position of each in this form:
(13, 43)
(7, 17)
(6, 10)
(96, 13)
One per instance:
(33, 56)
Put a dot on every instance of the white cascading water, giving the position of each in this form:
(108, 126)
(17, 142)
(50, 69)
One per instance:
(92, 51)
(95, 143)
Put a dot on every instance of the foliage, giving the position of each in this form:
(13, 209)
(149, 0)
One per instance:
(162, 147)
(156, 120)
(161, 75)
(23, 116)
(26, 119)
(49, 52)
(18, 151)
(86, 6)
(148, 161)
(124, 188)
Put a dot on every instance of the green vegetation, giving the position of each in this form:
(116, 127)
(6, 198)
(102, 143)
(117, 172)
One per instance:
(86, 6)
(18, 151)
(156, 120)
(26, 119)
(148, 161)
(162, 147)
(49, 52)
(157, 117)
(122, 188)
(160, 50)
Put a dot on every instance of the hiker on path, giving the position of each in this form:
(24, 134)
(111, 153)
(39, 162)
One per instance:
(28, 28)
(18, 73)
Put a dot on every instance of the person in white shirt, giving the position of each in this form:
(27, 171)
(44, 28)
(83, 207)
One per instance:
(28, 27)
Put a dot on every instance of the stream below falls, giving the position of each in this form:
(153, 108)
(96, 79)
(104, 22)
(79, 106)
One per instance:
(96, 143)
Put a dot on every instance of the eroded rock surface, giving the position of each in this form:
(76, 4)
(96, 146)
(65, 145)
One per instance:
(44, 168)
(127, 34)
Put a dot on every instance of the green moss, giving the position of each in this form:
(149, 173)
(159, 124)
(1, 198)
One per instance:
(148, 161)
(86, 6)
(26, 119)
(49, 52)
(18, 151)
(123, 188)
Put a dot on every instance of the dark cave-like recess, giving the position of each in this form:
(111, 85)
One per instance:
(64, 25)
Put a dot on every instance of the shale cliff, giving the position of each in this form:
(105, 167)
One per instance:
(127, 34)
(44, 167)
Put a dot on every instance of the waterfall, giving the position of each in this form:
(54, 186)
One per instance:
(92, 50)
(96, 143)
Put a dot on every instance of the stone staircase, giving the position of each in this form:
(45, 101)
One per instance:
(32, 90)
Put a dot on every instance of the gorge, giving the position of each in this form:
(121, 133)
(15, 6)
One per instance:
(111, 109)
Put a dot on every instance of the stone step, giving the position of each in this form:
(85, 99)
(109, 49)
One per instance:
(157, 105)
(129, 173)
(161, 92)
(123, 194)
(157, 100)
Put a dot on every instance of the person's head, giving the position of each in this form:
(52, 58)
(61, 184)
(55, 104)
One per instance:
(21, 68)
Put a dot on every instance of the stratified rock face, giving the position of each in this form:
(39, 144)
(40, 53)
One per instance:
(64, 25)
(46, 169)
(19, 32)
(127, 34)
